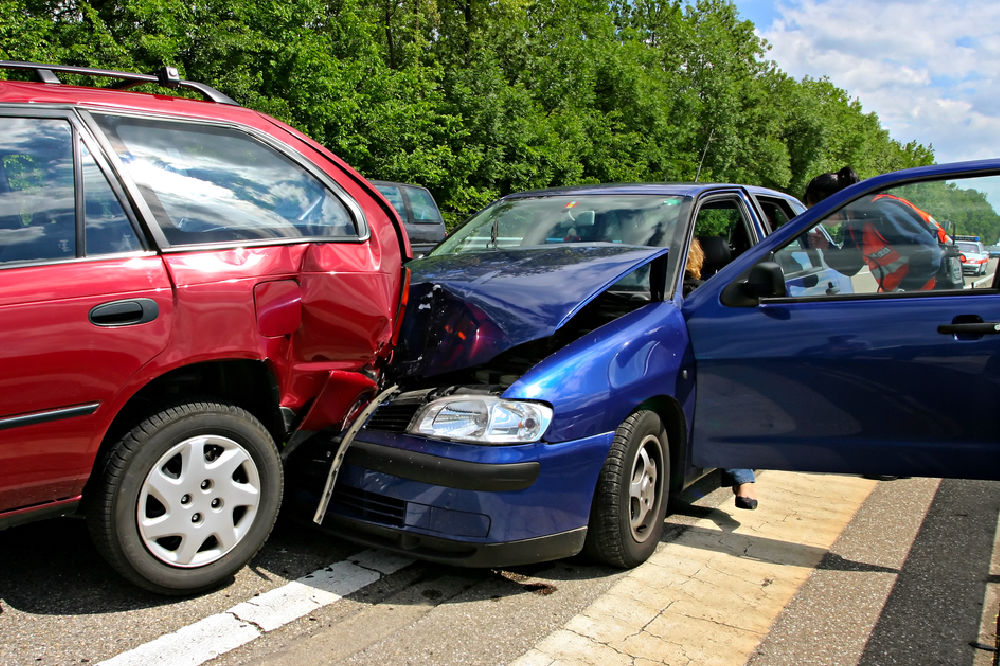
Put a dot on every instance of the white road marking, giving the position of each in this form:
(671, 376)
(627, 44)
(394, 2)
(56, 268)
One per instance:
(207, 639)
(192, 645)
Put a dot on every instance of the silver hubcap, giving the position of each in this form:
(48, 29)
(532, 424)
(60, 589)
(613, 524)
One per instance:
(643, 499)
(198, 501)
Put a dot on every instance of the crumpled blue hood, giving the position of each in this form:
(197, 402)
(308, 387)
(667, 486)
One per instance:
(465, 309)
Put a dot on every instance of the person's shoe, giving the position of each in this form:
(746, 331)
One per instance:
(881, 477)
(746, 503)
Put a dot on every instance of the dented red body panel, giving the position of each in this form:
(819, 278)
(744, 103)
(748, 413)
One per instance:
(297, 331)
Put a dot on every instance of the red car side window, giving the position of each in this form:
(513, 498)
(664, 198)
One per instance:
(37, 208)
(210, 184)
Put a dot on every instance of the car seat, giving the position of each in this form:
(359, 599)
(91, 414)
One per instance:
(717, 254)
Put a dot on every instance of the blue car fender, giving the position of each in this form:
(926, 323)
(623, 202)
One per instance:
(595, 382)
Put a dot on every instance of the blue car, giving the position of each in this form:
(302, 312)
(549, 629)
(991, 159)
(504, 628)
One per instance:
(555, 386)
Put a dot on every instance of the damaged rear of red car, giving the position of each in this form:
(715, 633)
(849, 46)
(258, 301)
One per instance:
(189, 290)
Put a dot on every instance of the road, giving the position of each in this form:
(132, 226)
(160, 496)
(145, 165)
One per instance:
(829, 570)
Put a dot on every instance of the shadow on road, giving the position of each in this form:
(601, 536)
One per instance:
(774, 551)
(932, 615)
(51, 568)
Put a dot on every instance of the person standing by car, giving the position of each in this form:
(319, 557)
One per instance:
(893, 237)
(741, 480)
(828, 184)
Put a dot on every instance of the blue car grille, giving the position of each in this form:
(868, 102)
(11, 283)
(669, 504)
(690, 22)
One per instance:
(364, 505)
(392, 418)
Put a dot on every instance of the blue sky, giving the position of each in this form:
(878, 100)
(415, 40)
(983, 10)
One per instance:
(927, 68)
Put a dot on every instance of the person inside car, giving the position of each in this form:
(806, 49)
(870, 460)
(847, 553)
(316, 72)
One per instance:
(692, 271)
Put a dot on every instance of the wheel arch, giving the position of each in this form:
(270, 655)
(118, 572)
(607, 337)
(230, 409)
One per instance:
(673, 420)
(244, 383)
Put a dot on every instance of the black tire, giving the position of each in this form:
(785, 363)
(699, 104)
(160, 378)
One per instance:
(187, 497)
(630, 502)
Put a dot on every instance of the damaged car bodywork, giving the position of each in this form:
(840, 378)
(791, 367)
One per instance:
(188, 290)
(545, 379)
(537, 447)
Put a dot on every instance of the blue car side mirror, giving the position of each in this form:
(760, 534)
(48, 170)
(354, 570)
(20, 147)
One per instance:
(767, 280)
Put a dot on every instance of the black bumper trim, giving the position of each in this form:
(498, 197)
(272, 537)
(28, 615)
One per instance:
(439, 471)
(459, 553)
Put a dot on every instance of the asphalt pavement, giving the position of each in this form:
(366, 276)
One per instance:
(911, 578)
(830, 569)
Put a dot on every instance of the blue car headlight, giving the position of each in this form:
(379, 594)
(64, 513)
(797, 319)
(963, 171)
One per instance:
(482, 419)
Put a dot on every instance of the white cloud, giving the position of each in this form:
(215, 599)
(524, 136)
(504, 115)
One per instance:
(927, 68)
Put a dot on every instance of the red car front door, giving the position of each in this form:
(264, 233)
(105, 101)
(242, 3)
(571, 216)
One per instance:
(83, 307)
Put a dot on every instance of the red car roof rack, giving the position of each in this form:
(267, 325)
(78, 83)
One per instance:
(167, 77)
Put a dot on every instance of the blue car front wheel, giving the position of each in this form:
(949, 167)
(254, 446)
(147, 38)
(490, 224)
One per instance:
(630, 501)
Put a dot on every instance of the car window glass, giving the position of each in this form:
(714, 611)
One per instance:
(717, 219)
(37, 200)
(395, 197)
(901, 239)
(722, 230)
(422, 205)
(776, 210)
(210, 184)
(552, 220)
(108, 228)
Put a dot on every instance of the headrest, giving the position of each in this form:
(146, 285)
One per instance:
(717, 252)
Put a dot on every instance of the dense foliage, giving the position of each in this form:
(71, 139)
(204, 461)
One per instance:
(961, 210)
(477, 98)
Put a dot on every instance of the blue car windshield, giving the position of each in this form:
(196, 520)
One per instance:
(632, 219)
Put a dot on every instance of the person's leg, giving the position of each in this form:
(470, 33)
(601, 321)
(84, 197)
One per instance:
(741, 476)
(743, 487)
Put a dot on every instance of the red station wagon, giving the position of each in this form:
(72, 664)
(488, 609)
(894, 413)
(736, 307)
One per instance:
(186, 286)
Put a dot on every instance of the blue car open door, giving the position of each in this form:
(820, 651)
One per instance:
(894, 371)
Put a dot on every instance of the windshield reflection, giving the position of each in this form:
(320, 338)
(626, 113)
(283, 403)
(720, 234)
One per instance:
(645, 220)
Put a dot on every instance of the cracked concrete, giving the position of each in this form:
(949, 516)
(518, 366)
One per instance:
(253, 624)
(679, 609)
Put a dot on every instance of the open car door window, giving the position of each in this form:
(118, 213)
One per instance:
(892, 369)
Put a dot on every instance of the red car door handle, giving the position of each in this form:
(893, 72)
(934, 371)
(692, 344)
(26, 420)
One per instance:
(124, 313)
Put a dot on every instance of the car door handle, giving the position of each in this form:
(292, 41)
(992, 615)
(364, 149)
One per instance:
(971, 328)
(124, 313)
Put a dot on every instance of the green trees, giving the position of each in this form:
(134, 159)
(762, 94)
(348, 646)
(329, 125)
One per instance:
(477, 98)
(960, 206)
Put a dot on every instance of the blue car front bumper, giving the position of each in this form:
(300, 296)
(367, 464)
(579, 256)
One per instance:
(468, 505)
